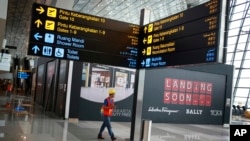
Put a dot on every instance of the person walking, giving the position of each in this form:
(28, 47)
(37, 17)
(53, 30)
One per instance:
(9, 89)
(107, 112)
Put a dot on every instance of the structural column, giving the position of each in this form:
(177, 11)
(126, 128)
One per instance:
(3, 17)
(67, 4)
(136, 123)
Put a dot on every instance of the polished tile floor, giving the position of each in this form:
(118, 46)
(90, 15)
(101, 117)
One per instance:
(42, 126)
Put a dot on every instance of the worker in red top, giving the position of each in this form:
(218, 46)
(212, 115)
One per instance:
(9, 88)
(107, 111)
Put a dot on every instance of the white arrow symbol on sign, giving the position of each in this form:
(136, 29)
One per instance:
(37, 36)
(143, 52)
(35, 48)
(143, 63)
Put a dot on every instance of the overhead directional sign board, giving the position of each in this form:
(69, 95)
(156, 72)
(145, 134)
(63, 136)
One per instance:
(189, 37)
(70, 35)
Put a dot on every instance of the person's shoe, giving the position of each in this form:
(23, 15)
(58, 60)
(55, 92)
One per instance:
(100, 137)
(113, 138)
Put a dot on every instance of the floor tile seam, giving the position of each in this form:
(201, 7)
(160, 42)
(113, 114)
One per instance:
(170, 130)
(192, 128)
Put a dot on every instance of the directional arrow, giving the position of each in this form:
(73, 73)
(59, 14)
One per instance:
(35, 48)
(143, 52)
(144, 41)
(143, 63)
(40, 10)
(145, 29)
(38, 22)
(37, 36)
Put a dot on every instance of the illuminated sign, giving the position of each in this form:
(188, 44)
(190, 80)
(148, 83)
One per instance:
(188, 37)
(64, 34)
(182, 44)
(198, 12)
(187, 92)
(23, 74)
(179, 58)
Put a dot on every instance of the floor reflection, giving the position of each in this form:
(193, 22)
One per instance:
(38, 125)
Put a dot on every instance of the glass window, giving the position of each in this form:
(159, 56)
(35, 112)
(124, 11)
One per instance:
(230, 48)
(244, 83)
(237, 64)
(238, 22)
(247, 54)
(229, 58)
(242, 92)
(240, 101)
(240, 2)
(243, 38)
(238, 8)
(247, 65)
(239, 55)
(233, 32)
(241, 46)
(246, 26)
(236, 72)
(248, 103)
(235, 24)
(245, 73)
(237, 16)
(232, 40)
(234, 81)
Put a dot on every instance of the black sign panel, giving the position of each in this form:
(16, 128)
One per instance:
(206, 55)
(208, 39)
(79, 55)
(183, 96)
(189, 37)
(64, 34)
(72, 17)
(195, 13)
(82, 31)
(184, 30)
(127, 48)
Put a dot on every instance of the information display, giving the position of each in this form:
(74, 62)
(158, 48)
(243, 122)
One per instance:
(188, 37)
(65, 34)
(195, 13)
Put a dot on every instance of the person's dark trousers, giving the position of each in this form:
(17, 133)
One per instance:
(106, 123)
